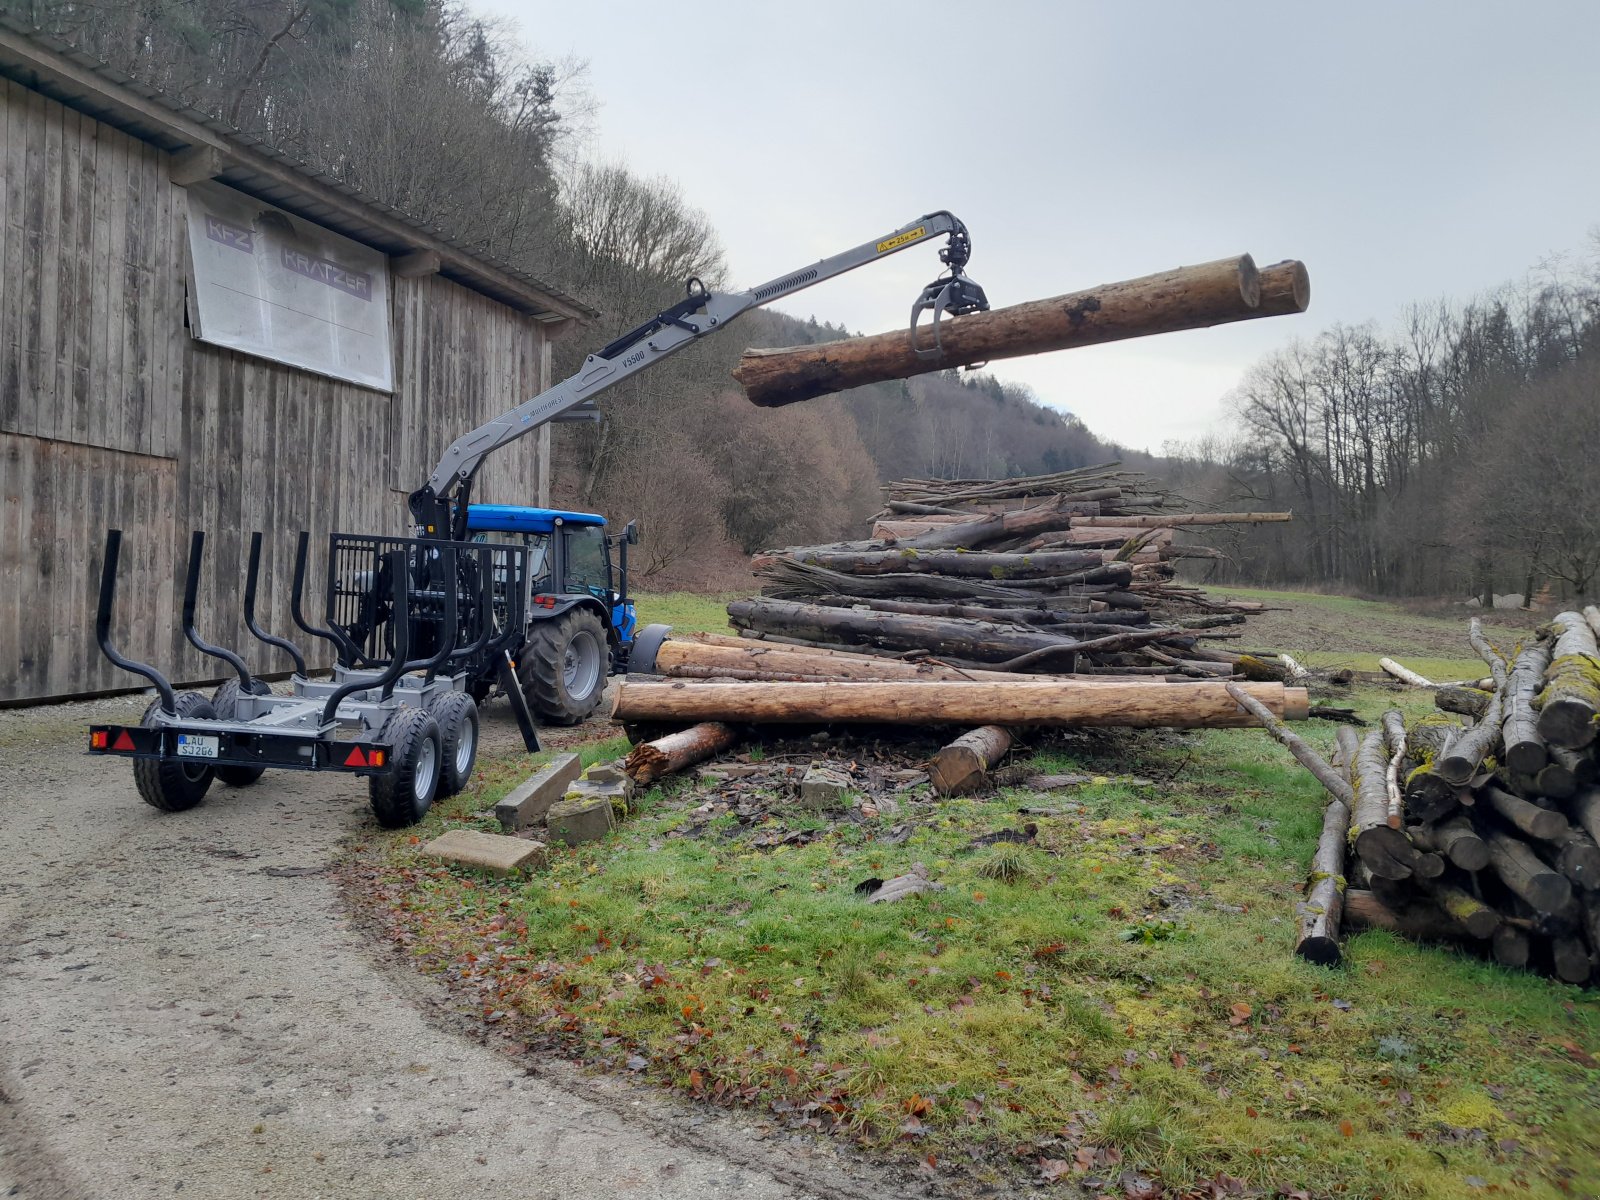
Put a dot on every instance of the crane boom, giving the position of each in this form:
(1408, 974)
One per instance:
(439, 507)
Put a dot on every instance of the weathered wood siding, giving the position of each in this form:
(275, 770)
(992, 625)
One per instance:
(111, 415)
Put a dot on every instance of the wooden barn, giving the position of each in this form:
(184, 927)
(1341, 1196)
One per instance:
(196, 333)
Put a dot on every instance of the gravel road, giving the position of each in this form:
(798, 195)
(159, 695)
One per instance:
(184, 1013)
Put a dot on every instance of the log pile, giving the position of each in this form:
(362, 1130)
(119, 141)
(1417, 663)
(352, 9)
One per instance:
(1068, 573)
(1486, 832)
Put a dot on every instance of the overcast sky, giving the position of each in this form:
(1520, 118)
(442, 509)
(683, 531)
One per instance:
(1403, 151)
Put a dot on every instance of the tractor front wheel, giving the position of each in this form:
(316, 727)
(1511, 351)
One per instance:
(562, 667)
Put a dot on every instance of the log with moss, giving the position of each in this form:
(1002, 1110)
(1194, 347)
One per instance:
(1569, 706)
(1385, 850)
(1525, 750)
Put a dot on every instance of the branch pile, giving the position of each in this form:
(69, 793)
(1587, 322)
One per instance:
(1486, 832)
(1069, 573)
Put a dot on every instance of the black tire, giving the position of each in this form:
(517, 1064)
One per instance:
(457, 716)
(562, 667)
(403, 795)
(174, 784)
(223, 701)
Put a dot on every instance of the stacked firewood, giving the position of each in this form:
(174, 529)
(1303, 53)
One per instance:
(1069, 573)
(1484, 833)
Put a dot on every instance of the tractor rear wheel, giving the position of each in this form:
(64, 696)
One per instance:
(402, 795)
(175, 784)
(563, 667)
(224, 700)
(458, 736)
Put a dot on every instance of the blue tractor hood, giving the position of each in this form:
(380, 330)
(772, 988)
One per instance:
(515, 518)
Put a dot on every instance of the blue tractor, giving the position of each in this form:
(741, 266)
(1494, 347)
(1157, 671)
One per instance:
(579, 622)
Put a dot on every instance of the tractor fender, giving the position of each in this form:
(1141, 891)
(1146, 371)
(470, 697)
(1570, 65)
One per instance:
(565, 604)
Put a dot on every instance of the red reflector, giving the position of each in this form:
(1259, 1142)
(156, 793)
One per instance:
(123, 742)
(356, 758)
(98, 739)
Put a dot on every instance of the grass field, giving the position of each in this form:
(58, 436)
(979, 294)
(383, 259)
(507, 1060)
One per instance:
(1118, 994)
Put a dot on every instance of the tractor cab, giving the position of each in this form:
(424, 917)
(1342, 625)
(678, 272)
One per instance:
(570, 563)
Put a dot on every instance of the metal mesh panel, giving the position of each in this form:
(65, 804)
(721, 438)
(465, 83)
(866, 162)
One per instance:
(361, 592)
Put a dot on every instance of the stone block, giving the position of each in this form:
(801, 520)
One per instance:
(527, 803)
(493, 852)
(824, 788)
(581, 818)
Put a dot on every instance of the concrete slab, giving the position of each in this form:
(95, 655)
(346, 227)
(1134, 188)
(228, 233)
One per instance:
(527, 803)
(493, 852)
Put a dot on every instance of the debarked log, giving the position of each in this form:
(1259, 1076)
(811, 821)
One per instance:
(1068, 703)
(1186, 298)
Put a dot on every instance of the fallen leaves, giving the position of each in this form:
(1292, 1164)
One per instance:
(1239, 1013)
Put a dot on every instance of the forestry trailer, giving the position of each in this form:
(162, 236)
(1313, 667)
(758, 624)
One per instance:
(422, 628)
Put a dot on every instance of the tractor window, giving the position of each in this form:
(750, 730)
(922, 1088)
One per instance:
(588, 569)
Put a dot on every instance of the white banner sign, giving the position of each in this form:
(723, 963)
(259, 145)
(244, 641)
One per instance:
(272, 284)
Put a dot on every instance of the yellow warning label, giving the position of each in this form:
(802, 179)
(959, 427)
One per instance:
(901, 239)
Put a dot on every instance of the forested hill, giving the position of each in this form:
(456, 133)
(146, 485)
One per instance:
(356, 88)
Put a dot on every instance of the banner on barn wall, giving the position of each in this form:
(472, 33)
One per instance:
(269, 283)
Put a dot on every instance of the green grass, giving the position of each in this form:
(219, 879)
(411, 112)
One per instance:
(1342, 631)
(685, 611)
(1124, 987)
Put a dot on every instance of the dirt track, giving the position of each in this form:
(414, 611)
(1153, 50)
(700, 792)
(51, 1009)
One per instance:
(181, 1016)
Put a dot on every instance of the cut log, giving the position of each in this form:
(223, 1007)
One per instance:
(1386, 851)
(1404, 674)
(1472, 914)
(1521, 870)
(1536, 822)
(1419, 919)
(1285, 288)
(1428, 796)
(1320, 911)
(1185, 298)
(1578, 858)
(1525, 751)
(1102, 705)
(1569, 713)
(649, 761)
(1511, 946)
(1586, 808)
(1569, 959)
(1168, 520)
(1394, 733)
(957, 564)
(978, 641)
(964, 765)
(675, 656)
(1463, 701)
(1465, 754)
(1456, 839)
(999, 526)
(1347, 743)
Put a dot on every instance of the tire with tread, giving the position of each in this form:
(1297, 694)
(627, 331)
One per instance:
(402, 795)
(172, 784)
(223, 701)
(543, 667)
(457, 717)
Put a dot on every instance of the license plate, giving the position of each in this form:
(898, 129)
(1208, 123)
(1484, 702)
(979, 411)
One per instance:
(192, 745)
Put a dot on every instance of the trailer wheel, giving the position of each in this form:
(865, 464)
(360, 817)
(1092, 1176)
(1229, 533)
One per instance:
(457, 716)
(562, 667)
(174, 784)
(403, 795)
(225, 700)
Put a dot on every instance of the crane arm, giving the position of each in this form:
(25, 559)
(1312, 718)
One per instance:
(439, 507)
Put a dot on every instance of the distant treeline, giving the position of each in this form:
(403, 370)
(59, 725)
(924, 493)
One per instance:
(440, 114)
(1456, 453)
